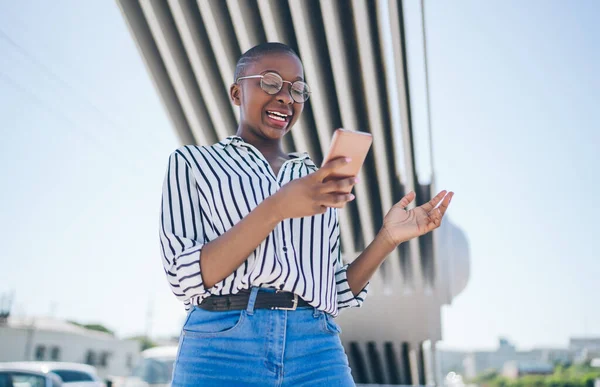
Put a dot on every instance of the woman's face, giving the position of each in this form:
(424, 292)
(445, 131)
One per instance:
(255, 104)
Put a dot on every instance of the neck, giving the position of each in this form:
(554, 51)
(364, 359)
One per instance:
(270, 148)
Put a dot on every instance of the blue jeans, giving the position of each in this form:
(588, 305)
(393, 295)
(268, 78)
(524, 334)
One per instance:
(261, 347)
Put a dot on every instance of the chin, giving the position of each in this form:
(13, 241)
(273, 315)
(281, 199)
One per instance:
(274, 133)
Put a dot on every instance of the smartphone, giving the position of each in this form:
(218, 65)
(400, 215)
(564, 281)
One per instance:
(348, 143)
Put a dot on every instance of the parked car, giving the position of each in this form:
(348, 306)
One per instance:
(71, 374)
(155, 368)
(16, 377)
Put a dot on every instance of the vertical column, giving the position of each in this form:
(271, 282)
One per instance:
(359, 372)
(421, 363)
(375, 363)
(405, 369)
(414, 366)
(392, 363)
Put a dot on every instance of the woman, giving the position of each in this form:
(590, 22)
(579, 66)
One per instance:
(250, 243)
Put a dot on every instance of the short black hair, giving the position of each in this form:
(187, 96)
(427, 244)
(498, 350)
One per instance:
(257, 52)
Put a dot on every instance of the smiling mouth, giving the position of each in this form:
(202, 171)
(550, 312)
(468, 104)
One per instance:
(281, 117)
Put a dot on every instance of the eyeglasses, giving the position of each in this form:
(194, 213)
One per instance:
(271, 83)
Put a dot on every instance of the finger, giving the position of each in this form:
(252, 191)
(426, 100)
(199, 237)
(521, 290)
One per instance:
(436, 216)
(407, 199)
(433, 220)
(340, 186)
(336, 200)
(445, 203)
(430, 205)
(332, 166)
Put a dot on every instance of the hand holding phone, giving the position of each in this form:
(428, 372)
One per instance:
(350, 144)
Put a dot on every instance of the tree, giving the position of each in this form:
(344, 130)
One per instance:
(94, 327)
(572, 376)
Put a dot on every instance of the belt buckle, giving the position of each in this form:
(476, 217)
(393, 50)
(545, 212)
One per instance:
(294, 303)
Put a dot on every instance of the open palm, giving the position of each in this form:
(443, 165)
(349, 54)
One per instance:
(401, 224)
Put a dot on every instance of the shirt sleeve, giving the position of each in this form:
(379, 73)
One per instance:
(345, 297)
(182, 233)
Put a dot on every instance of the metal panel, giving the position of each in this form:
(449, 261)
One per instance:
(246, 23)
(178, 68)
(201, 58)
(138, 26)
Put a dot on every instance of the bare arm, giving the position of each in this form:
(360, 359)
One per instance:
(309, 195)
(399, 225)
(364, 266)
(223, 255)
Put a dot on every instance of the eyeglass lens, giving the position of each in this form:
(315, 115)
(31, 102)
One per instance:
(272, 83)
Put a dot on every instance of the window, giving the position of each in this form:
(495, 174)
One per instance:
(25, 380)
(55, 354)
(40, 352)
(104, 359)
(5, 380)
(69, 376)
(90, 357)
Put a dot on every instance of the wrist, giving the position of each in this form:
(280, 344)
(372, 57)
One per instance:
(273, 209)
(385, 239)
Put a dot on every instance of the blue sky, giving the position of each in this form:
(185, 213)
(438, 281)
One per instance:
(514, 103)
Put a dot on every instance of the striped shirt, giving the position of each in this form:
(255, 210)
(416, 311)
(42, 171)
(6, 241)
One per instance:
(208, 189)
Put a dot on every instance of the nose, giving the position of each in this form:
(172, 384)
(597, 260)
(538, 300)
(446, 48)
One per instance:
(284, 96)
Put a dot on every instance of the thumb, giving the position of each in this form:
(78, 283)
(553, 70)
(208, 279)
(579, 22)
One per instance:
(407, 199)
(332, 166)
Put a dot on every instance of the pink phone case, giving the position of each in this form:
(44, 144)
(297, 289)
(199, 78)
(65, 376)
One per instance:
(347, 143)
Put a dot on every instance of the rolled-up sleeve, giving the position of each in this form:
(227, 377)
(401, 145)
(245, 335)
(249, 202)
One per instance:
(345, 297)
(182, 233)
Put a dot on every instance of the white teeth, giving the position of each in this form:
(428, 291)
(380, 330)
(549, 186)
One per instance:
(277, 116)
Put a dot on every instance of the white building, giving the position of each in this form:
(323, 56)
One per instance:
(365, 76)
(505, 358)
(585, 348)
(48, 339)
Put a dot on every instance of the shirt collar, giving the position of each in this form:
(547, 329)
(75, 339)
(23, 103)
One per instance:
(237, 141)
(232, 140)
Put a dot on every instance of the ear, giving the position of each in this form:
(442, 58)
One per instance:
(234, 94)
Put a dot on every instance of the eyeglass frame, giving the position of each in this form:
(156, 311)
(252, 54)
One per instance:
(261, 76)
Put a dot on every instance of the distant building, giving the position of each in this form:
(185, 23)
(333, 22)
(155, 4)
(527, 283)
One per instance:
(512, 363)
(480, 361)
(450, 361)
(580, 343)
(49, 339)
(515, 369)
(584, 348)
(471, 364)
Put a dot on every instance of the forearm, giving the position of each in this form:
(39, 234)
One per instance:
(222, 256)
(366, 264)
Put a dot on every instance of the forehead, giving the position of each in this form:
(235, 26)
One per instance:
(287, 65)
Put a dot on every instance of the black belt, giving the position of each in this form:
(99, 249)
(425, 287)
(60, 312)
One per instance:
(279, 300)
